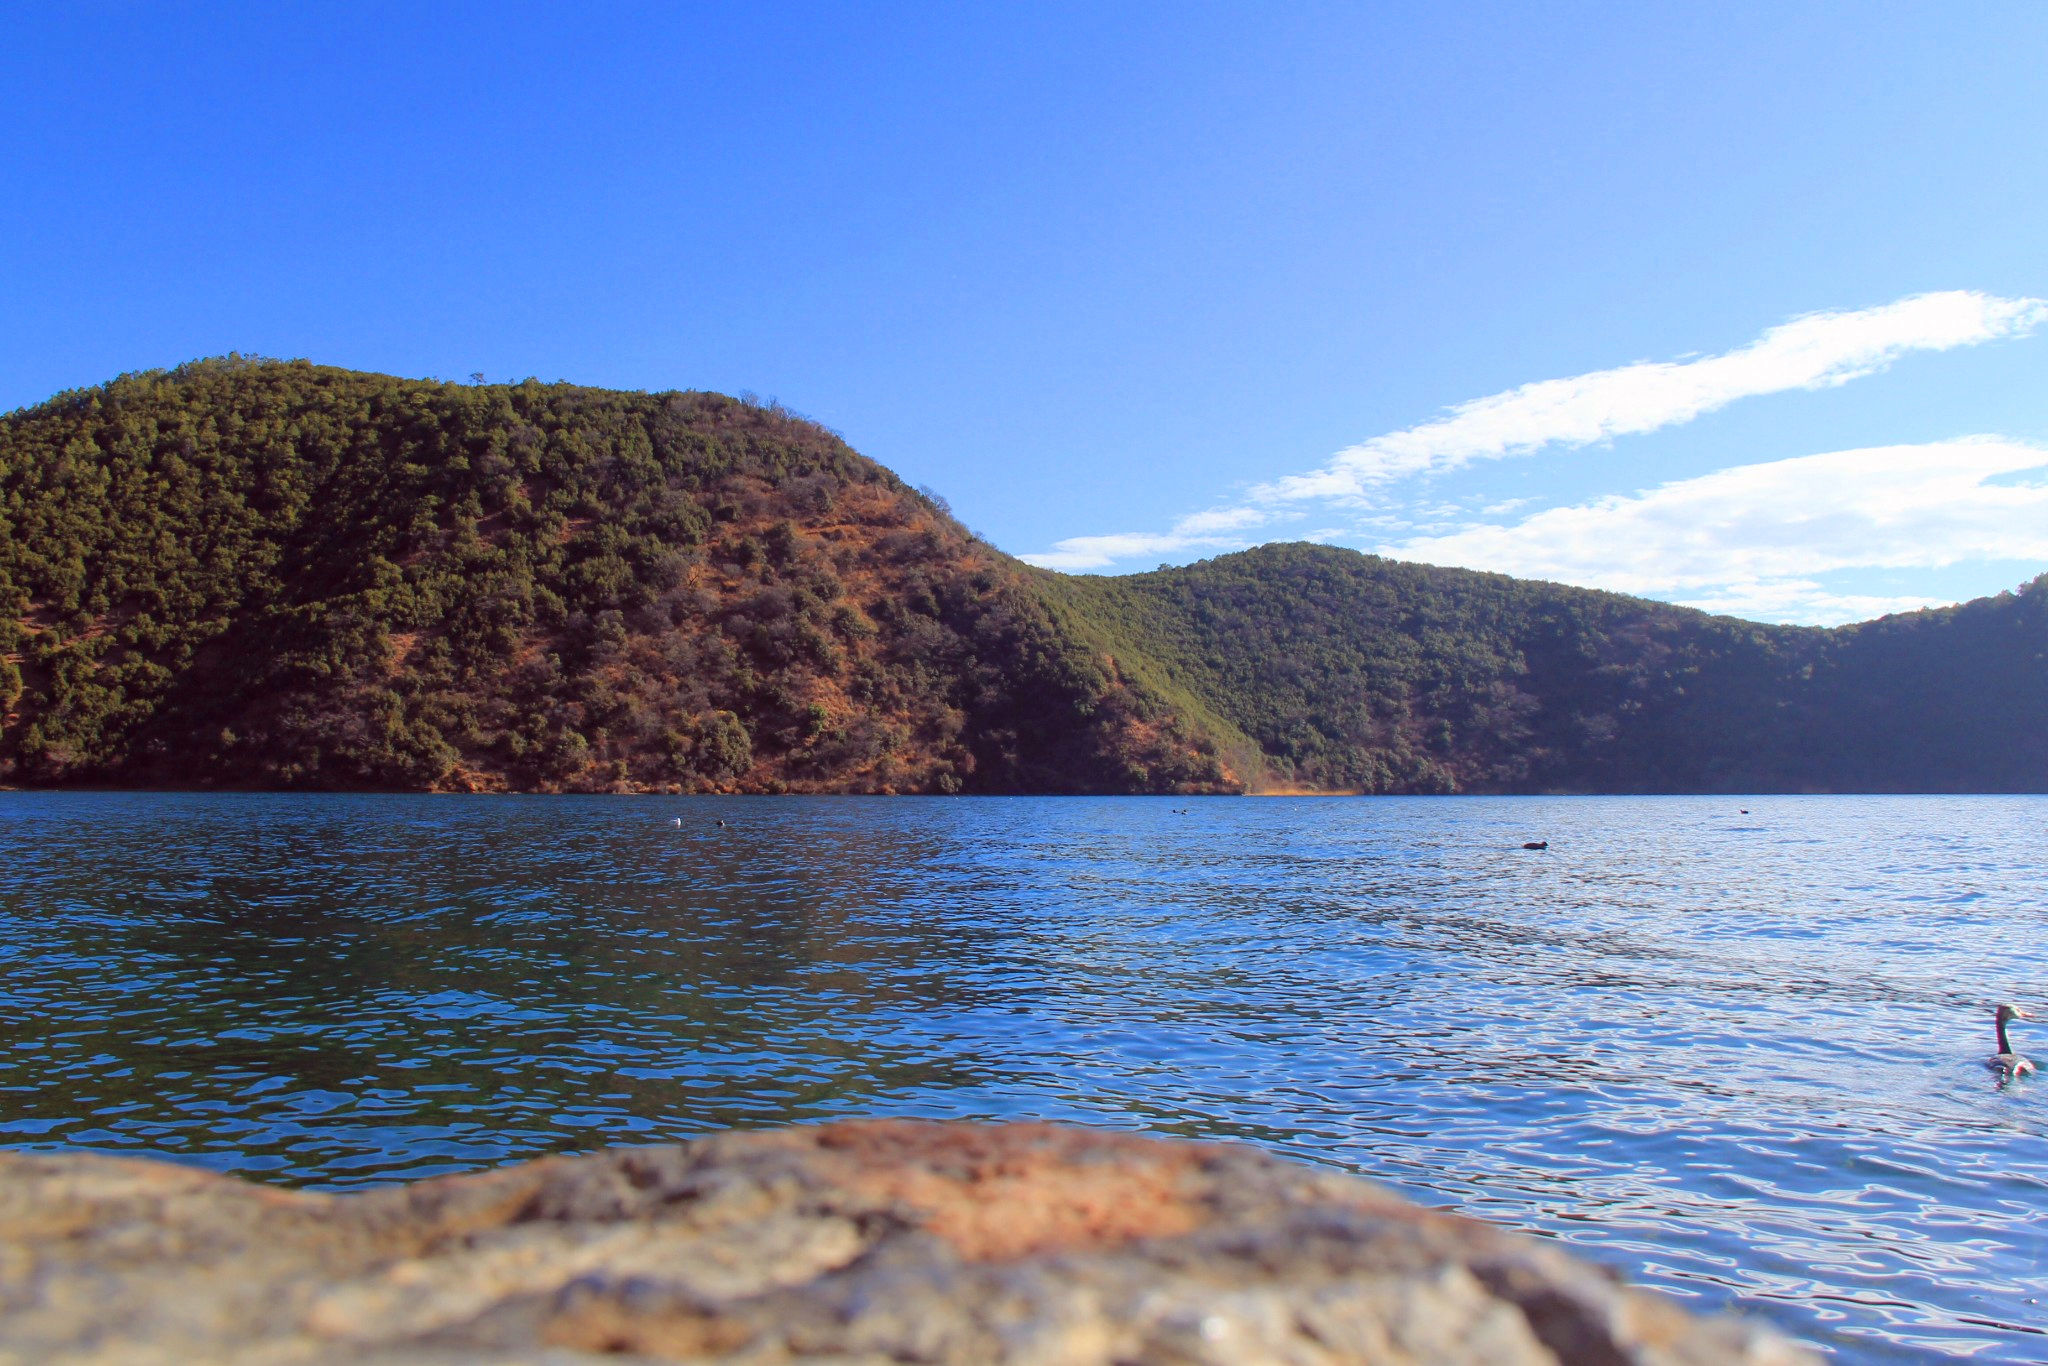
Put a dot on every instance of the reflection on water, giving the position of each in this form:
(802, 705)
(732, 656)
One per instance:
(1736, 1056)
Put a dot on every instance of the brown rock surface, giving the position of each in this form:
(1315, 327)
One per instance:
(864, 1242)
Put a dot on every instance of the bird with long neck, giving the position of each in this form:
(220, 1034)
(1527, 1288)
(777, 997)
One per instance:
(2005, 1062)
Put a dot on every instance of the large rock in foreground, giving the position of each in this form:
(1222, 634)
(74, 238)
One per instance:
(863, 1242)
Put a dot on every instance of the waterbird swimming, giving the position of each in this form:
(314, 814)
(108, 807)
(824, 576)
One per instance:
(1536, 844)
(2005, 1062)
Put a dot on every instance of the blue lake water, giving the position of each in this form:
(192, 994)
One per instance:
(1738, 1057)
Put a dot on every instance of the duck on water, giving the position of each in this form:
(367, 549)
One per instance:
(2005, 1062)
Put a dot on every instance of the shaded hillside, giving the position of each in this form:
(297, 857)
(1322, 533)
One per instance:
(1954, 699)
(1354, 672)
(278, 575)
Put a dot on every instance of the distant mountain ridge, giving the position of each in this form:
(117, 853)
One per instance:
(267, 574)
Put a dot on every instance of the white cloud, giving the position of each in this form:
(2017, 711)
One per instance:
(1211, 530)
(1804, 601)
(1100, 552)
(1221, 519)
(1754, 539)
(1817, 351)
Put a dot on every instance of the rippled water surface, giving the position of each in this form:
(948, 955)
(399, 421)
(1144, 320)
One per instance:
(1737, 1056)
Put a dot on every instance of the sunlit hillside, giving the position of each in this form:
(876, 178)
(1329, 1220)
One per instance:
(265, 574)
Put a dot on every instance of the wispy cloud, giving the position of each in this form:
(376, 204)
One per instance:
(1216, 529)
(1817, 351)
(1754, 540)
(1806, 602)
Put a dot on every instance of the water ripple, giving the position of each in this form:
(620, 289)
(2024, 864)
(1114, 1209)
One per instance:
(1737, 1057)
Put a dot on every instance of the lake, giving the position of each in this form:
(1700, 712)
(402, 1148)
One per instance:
(1737, 1056)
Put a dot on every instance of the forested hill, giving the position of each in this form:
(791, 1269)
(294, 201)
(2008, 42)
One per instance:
(271, 574)
(1353, 672)
(278, 575)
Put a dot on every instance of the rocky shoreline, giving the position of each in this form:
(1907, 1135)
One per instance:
(858, 1242)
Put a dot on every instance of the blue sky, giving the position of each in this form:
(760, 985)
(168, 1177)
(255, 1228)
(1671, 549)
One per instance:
(1095, 270)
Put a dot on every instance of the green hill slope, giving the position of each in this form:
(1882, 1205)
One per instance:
(265, 574)
(1352, 672)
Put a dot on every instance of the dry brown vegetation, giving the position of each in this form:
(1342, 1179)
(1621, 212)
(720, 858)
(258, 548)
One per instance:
(261, 574)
